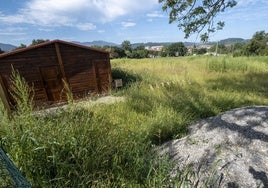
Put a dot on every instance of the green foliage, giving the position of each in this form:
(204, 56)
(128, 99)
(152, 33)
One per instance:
(68, 92)
(164, 51)
(110, 145)
(200, 51)
(238, 49)
(126, 46)
(126, 50)
(220, 49)
(127, 76)
(176, 49)
(139, 52)
(258, 45)
(193, 16)
(38, 41)
(117, 52)
(21, 93)
(21, 46)
(34, 42)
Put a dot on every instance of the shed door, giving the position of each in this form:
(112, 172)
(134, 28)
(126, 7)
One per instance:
(52, 80)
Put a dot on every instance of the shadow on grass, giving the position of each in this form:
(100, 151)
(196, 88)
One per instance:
(173, 106)
(169, 108)
(192, 100)
(127, 77)
(251, 82)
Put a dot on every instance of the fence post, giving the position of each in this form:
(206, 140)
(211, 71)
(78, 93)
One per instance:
(10, 176)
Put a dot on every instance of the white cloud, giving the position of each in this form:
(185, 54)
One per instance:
(250, 2)
(155, 14)
(12, 29)
(46, 29)
(247, 10)
(71, 12)
(11, 34)
(86, 26)
(112, 9)
(128, 24)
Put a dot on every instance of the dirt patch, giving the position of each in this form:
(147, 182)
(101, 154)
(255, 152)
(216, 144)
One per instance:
(82, 104)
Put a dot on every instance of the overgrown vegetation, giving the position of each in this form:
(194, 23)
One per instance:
(110, 145)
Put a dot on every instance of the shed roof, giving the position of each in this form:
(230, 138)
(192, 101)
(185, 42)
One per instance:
(48, 43)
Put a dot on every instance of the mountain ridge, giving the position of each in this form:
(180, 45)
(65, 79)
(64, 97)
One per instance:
(227, 41)
(101, 43)
(97, 43)
(7, 47)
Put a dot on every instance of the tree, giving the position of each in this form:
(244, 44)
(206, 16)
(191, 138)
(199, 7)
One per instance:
(38, 41)
(140, 47)
(97, 47)
(258, 45)
(201, 51)
(117, 52)
(194, 16)
(139, 52)
(238, 49)
(219, 49)
(176, 49)
(164, 51)
(126, 45)
(20, 46)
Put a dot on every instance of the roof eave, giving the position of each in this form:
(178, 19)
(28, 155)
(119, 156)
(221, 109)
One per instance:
(5, 54)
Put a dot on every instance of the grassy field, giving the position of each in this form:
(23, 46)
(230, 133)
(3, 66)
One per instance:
(111, 145)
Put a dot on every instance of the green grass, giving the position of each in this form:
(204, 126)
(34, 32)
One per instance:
(112, 145)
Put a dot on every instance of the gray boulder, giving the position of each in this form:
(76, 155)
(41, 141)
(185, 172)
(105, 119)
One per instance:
(232, 147)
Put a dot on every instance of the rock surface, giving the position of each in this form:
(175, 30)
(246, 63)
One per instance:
(233, 145)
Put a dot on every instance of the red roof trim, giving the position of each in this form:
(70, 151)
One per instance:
(48, 43)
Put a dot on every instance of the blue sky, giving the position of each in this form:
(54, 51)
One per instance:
(114, 21)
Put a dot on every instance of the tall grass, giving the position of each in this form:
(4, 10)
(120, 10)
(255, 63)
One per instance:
(110, 145)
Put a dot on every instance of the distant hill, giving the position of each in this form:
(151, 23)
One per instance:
(229, 41)
(7, 47)
(100, 43)
(134, 45)
(233, 40)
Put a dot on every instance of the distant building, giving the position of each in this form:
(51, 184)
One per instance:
(154, 48)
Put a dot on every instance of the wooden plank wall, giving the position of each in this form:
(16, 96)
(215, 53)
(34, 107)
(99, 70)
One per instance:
(28, 64)
(80, 69)
(103, 69)
(4, 95)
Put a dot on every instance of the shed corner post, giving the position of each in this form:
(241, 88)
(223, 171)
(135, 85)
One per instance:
(60, 61)
(110, 72)
(66, 84)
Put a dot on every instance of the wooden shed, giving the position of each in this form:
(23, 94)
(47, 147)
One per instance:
(47, 65)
